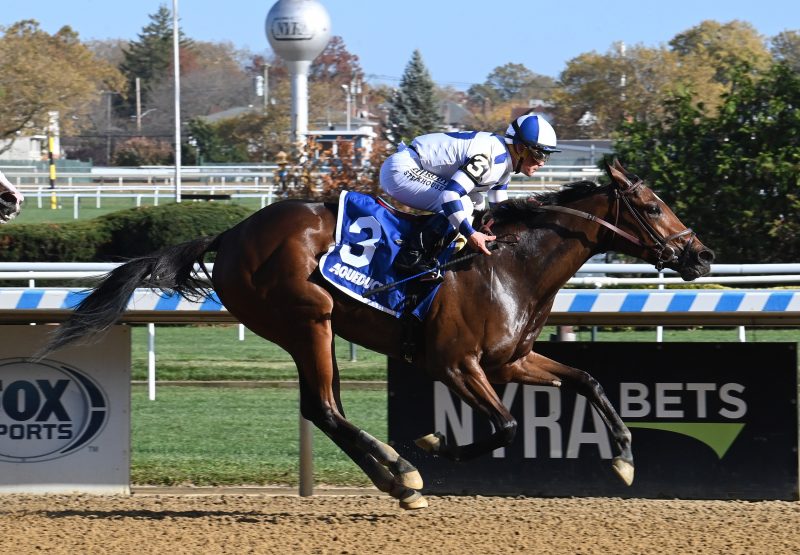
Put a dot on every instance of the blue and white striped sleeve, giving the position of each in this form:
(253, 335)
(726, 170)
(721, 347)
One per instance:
(460, 185)
(497, 194)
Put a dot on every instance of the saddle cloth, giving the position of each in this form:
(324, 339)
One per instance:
(367, 241)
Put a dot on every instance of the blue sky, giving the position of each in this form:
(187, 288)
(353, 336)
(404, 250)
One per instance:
(461, 40)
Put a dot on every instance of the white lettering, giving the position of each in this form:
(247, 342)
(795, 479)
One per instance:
(725, 395)
(445, 413)
(533, 421)
(633, 400)
(662, 400)
(701, 389)
(578, 437)
(354, 276)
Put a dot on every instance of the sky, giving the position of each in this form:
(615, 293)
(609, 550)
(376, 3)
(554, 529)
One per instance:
(461, 41)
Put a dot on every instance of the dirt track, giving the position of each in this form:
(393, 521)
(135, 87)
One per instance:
(369, 524)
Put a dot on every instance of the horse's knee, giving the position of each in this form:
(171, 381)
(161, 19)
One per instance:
(323, 417)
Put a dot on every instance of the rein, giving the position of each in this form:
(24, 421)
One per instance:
(664, 252)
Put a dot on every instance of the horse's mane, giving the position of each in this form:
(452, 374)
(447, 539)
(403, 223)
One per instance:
(517, 209)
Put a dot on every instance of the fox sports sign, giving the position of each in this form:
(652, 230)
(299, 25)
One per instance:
(48, 410)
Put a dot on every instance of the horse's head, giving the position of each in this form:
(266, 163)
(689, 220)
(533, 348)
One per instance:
(661, 238)
(10, 200)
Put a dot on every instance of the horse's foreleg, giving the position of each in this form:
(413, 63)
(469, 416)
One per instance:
(320, 403)
(536, 369)
(472, 386)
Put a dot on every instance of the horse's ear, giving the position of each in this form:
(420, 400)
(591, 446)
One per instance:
(617, 174)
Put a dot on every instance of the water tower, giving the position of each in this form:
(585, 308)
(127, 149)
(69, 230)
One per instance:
(298, 31)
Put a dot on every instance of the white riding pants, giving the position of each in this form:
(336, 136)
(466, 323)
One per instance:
(404, 179)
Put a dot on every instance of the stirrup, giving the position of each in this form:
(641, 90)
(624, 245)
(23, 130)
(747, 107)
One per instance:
(435, 276)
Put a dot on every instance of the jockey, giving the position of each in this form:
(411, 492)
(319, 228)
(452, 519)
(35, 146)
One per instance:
(446, 173)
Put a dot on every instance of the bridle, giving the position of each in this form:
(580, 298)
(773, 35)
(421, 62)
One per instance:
(664, 252)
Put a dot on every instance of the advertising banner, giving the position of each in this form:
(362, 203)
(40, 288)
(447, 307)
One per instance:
(709, 421)
(65, 419)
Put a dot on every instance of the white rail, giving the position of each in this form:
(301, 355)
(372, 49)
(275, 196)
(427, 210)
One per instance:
(721, 273)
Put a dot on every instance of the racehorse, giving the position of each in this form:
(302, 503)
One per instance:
(481, 326)
(10, 200)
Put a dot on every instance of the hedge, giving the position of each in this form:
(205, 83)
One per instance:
(119, 235)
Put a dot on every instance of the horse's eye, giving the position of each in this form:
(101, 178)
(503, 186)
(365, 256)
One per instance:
(653, 209)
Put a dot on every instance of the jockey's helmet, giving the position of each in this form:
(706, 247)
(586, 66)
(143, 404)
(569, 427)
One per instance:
(534, 132)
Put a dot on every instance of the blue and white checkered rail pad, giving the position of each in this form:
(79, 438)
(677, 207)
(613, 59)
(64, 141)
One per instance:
(61, 299)
(567, 301)
(675, 300)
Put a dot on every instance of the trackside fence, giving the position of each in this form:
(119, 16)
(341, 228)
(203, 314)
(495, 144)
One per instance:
(590, 305)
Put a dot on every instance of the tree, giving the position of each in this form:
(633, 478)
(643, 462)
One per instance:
(731, 174)
(42, 73)
(329, 71)
(150, 58)
(335, 64)
(251, 137)
(214, 82)
(723, 46)
(511, 82)
(413, 109)
(786, 48)
(616, 86)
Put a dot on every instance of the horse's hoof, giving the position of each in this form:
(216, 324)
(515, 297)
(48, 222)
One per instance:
(624, 470)
(414, 501)
(430, 443)
(411, 480)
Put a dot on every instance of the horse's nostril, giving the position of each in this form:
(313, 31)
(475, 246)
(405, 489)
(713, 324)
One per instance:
(706, 256)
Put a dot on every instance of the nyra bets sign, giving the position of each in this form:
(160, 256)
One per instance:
(64, 420)
(709, 421)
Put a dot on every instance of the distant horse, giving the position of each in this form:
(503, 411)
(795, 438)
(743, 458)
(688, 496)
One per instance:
(10, 200)
(481, 326)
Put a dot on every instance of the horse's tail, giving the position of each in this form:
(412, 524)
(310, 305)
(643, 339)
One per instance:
(168, 270)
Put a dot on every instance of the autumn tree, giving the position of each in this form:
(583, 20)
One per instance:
(597, 92)
(214, 82)
(723, 46)
(413, 109)
(42, 73)
(334, 67)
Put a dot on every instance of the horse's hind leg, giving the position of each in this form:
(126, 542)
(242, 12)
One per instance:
(540, 370)
(320, 403)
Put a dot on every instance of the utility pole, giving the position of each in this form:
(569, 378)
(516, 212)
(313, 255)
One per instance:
(138, 106)
(177, 76)
(108, 127)
(266, 87)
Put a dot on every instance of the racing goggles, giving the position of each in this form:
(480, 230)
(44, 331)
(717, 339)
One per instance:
(539, 156)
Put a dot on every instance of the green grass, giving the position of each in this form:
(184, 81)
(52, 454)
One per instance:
(32, 214)
(216, 353)
(233, 436)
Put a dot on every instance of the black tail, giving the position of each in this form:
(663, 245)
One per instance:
(169, 270)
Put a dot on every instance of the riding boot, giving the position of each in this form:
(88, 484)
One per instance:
(418, 252)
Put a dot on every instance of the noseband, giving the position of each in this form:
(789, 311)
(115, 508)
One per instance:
(664, 252)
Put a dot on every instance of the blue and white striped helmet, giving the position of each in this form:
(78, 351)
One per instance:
(534, 132)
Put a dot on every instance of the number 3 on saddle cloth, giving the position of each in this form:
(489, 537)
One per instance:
(367, 240)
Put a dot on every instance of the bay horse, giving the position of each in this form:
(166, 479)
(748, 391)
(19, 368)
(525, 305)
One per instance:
(10, 200)
(481, 326)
